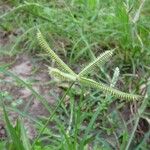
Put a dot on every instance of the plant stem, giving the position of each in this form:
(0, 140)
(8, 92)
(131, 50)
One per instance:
(133, 132)
(140, 112)
(52, 115)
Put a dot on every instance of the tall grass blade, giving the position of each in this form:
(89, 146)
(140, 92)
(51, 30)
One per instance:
(24, 136)
(15, 138)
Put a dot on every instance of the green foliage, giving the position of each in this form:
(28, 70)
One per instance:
(86, 24)
(19, 139)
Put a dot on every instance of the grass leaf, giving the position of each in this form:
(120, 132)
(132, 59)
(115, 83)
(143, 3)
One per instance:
(14, 136)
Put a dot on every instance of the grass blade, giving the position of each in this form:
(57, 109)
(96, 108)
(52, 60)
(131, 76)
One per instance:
(15, 138)
(24, 137)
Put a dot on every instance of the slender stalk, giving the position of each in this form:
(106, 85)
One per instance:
(52, 115)
(140, 112)
(133, 132)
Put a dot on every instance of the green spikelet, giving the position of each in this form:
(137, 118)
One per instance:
(52, 54)
(108, 90)
(115, 77)
(56, 73)
(103, 58)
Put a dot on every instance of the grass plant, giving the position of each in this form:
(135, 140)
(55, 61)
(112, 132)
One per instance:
(93, 112)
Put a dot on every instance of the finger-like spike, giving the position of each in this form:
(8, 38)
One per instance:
(56, 73)
(109, 90)
(103, 58)
(52, 54)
